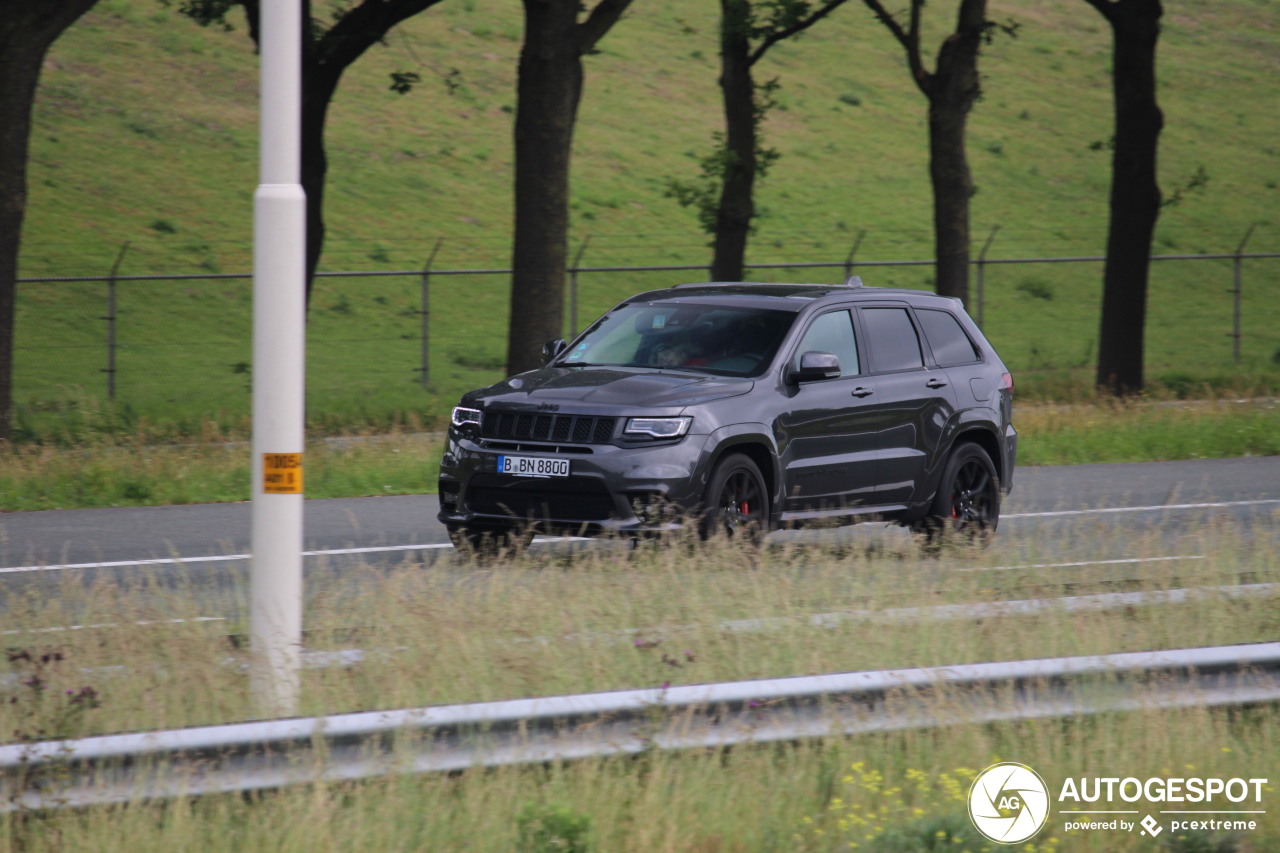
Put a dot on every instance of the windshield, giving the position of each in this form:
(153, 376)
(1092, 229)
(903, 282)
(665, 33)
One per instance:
(718, 339)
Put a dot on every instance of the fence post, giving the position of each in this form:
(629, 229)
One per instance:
(1236, 295)
(110, 369)
(982, 284)
(573, 288)
(425, 313)
(848, 261)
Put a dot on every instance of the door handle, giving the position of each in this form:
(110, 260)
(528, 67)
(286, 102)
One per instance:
(863, 392)
(935, 383)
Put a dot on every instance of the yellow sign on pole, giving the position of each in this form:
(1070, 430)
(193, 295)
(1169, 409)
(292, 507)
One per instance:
(282, 473)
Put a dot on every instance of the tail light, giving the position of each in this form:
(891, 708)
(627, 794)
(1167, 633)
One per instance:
(1007, 378)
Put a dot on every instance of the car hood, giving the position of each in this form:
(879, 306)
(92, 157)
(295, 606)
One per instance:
(605, 386)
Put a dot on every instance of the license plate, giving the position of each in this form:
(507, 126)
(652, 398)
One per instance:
(533, 466)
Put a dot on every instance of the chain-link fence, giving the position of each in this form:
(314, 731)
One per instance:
(412, 339)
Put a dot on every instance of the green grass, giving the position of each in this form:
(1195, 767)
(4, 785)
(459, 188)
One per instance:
(145, 132)
(555, 622)
(1075, 434)
(549, 623)
(136, 473)
(908, 788)
(100, 459)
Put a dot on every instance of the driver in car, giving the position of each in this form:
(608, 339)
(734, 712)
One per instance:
(675, 355)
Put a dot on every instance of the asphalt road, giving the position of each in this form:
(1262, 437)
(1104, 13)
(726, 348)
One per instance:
(1125, 498)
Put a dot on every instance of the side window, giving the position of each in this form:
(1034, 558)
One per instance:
(947, 339)
(832, 332)
(891, 339)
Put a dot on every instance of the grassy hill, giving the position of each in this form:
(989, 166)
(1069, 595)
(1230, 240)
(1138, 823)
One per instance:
(146, 134)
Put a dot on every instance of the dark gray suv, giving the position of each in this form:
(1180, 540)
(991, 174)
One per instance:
(741, 408)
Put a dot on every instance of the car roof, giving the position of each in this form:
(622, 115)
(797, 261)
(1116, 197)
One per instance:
(781, 296)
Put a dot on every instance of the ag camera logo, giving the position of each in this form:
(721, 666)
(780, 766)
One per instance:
(1008, 802)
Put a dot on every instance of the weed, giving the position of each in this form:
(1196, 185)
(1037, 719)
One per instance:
(42, 709)
(40, 714)
(552, 828)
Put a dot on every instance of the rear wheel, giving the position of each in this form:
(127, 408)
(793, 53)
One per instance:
(736, 501)
(967, 505)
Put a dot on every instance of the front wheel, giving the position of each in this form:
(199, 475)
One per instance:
(736, 501)
(967, 504)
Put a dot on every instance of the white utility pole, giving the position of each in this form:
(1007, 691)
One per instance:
(279, 328)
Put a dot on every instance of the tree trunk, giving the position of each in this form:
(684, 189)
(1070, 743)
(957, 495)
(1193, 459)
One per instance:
(27, 29)
(547, 92)
(736, 208)
(318, 89)
(326, 55)
(952, 91)
(1135, 193)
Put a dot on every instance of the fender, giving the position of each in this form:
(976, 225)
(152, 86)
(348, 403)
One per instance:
(726, 438)
(965, 423)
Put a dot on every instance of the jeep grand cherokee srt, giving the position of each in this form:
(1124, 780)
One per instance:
(741, 407)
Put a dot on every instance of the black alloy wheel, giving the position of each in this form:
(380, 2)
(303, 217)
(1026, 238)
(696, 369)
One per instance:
(967, 504)
(737, 501)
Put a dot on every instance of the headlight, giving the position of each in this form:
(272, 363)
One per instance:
(462, 416)
(658, 427)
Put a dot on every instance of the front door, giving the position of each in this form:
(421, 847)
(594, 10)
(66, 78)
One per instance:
(827, 437)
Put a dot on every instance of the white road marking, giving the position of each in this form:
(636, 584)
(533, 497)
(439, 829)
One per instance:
(1153, 508)
(169, 561)
(1080, 563)
(143, 624)
(222, 558)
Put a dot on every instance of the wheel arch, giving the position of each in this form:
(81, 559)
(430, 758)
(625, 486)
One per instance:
(760, 449)
(985, 438)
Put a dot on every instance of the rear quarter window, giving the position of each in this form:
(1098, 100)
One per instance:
(947, 338)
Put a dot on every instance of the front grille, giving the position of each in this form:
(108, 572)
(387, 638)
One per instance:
(537, 504)
(527, 426)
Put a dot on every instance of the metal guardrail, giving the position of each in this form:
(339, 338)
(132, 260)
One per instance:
(273, 754)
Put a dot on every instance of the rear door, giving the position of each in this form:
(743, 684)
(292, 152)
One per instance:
(955, 352)
(911, 404)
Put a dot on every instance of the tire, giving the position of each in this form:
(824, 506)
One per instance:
(967, 504)
(487, 542)
(736, 501)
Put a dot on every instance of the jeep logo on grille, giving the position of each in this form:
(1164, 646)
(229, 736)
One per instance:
(548, 407)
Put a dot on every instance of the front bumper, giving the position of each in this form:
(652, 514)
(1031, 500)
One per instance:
(622, 490)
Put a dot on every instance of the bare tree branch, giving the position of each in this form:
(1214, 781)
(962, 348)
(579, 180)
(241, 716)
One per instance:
(908, 38)
(600, 21)
(798, 26)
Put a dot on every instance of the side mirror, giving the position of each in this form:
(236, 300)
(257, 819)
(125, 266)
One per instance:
(815, 366)
(553, 348)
